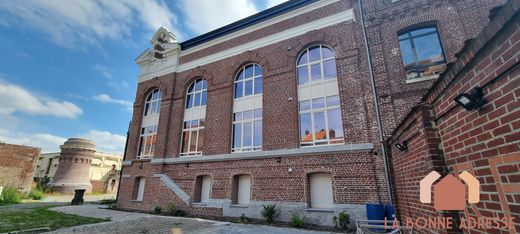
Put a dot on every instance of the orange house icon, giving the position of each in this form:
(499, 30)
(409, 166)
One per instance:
(449, 193)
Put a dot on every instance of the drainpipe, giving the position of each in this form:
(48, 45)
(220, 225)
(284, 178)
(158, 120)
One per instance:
(124, 157)
(376, 103)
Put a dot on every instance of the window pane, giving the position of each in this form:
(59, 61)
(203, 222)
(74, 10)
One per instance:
(197, 100)
(153, 144)
(335, 124)
(201, 122)
(319, 126)
(204, 98)
(258, 85)
(326, 53)
(239, 89)
(237, 135)
(428, 49)
(146, 109)
(237, 116)
(185, 139)
(189, 101)
(194, 123)
(403, 36)
(333, 101)
(247, 134)
(305, 105)
(303, 59)
(141, 146)
(248, 114)
(204, 84)
(201, 140)
(193, 141)
(187, 125)
(303, 75)
(329, 69)
(316, 72)
(198, 85)
(190, 89)
(240, 75)
(249, 88)
(423, 31)
(317, 103)
(249, 71)
(406, 52)
(258, 113)
(258, 133)
(258, 70)
(314, 53)
(305, 127)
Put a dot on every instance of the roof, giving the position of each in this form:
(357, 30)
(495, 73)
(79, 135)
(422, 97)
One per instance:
(246, 22)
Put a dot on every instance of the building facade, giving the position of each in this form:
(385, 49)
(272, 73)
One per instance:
(278, 108)
(104, 170)
(17, 166)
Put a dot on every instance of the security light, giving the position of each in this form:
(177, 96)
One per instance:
(187, 164)
(402, 146)
(472, 101)
(278, 159)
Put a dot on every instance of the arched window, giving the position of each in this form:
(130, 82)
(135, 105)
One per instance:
(247, 109)
(422, 54)
(194, 118)
(318, 96)
(148, 134)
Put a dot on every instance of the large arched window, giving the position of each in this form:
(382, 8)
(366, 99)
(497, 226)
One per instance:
(247, 109)
(318, 96)
(148, 134)
(194, 118)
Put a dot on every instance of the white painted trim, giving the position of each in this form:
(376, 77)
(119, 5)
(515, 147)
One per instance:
(271, 39)
(258, 26)
(419, 79)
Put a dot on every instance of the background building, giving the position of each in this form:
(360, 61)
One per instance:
(17, 164)
(279, 107)
(103, 175)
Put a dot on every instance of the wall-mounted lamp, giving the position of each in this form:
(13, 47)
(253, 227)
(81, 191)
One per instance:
(278, 159)
(187, 164)
(402, 146)
(473, 101)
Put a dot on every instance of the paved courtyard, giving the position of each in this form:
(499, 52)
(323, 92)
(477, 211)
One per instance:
(130, 222)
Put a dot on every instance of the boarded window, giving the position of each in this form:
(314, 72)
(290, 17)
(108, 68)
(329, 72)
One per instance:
(321, 190)
(139, 191)
(241, 189)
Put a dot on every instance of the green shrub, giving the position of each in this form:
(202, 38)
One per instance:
(270, 212)
(297, 220)
(157, 210)
(36, 194)
(244, 219)
(10, 195)
(343, 221)
(174, 210)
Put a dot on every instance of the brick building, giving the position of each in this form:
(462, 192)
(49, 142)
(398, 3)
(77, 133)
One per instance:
(279, 107)
(443, 136)
(17, 164)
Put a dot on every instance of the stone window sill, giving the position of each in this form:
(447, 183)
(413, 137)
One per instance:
(239, 206)
(322, 210)
(420, 79)
(198, 204)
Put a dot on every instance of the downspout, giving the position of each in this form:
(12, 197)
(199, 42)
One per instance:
(124, 157)
(376, 103)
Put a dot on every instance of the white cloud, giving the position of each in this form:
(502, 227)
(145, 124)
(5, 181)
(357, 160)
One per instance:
(17, 99)
(271, 3)
(203, 16)
(73, 23)
(106, 141)
(105, 98)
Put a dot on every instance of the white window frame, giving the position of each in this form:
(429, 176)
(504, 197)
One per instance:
(325, 90)
(194, 113)
(149, 125)
(192, 130)
(242, 122)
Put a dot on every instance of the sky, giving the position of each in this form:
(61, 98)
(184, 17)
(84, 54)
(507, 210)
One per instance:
(67, 68)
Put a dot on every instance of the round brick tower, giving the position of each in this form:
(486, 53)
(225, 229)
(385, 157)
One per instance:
(74, 168)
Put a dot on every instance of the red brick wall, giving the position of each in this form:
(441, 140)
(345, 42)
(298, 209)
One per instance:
(486, 142)
(17, 164)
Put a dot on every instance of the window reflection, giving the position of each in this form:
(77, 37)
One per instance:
(422, 52)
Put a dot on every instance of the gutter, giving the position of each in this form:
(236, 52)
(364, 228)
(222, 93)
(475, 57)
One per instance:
(376, 104)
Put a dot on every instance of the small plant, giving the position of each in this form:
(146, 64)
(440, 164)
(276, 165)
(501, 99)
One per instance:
(108, 201)
(343, 221)
(157, 210)
(297, 220)
(244, 219)
(10, 195)
(174, 210)
(36, 194)
(270, 212)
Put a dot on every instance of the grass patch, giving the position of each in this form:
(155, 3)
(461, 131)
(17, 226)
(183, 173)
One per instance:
(18, 219)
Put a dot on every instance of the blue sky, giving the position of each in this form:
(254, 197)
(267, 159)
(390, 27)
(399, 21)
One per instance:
(67, 67)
